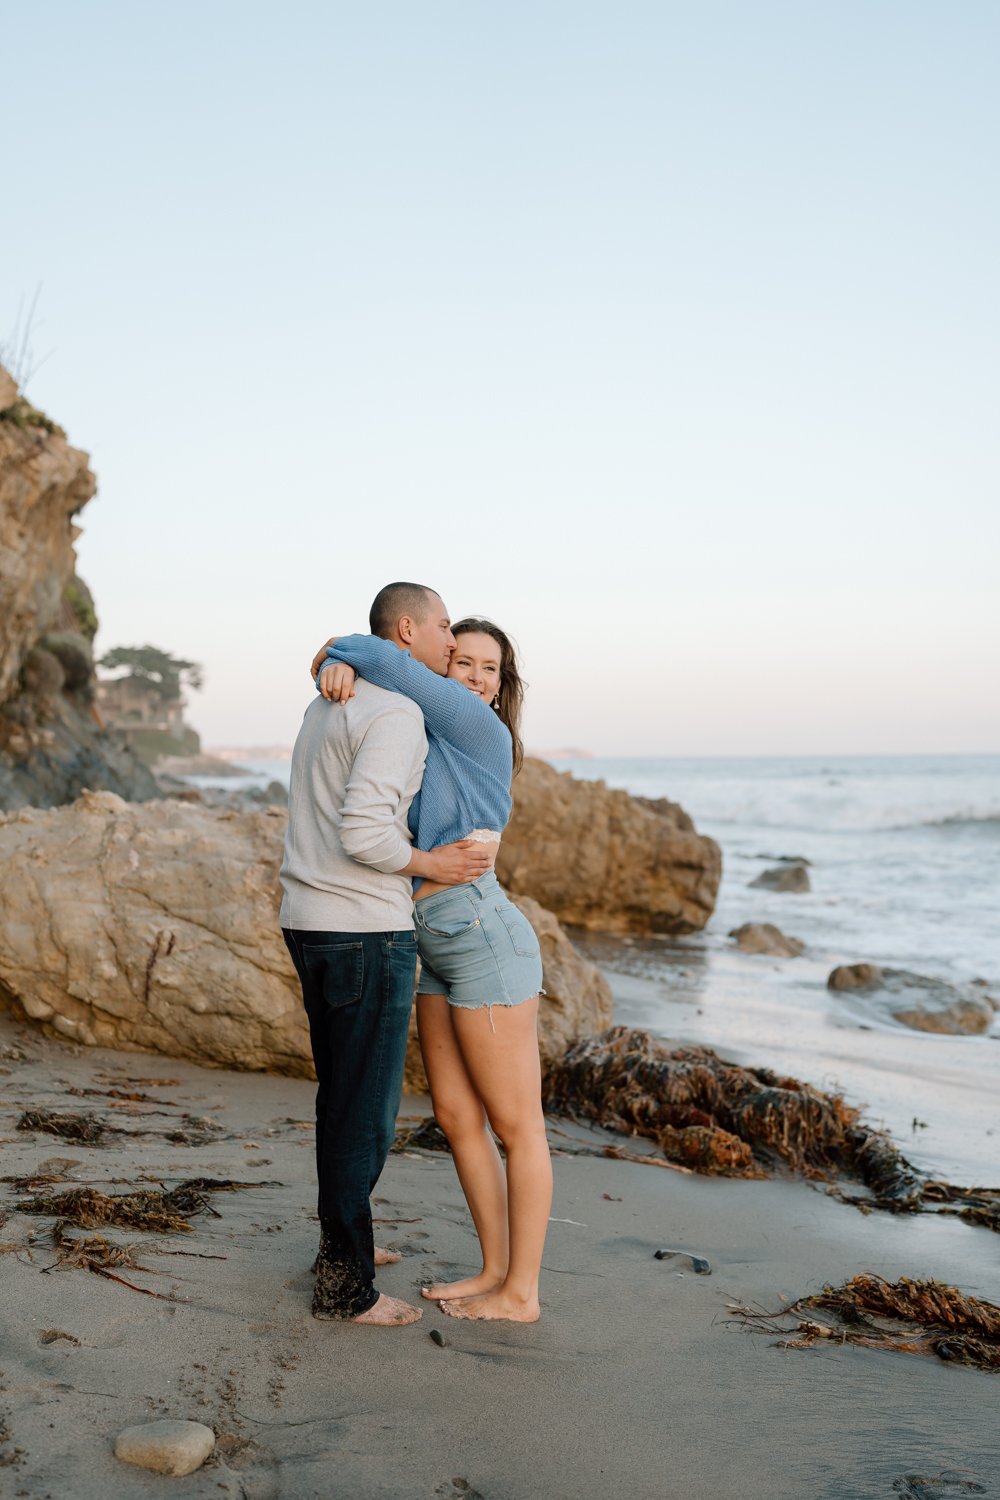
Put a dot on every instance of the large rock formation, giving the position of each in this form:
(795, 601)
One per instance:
(51, 746)
(154, 927)
(603, 859)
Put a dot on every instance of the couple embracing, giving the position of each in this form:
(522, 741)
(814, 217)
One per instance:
(400, 792)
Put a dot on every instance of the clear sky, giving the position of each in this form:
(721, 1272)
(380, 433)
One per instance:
(665, 333)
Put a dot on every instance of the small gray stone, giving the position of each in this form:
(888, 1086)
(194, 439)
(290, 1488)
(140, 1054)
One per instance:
(787, 877)
(167, 1447)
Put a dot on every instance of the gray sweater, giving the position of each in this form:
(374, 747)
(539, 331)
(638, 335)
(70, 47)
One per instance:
(356, 768)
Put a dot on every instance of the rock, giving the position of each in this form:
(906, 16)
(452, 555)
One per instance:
(151, 927)
(764, 937)
(52, 749)
(855, 977)
(154, 927)
(8, 389)
(51, 746)
(918, 1000)
(605, 860)
(75, 655)
(167, 1447)
(43, 484)
(784, 877)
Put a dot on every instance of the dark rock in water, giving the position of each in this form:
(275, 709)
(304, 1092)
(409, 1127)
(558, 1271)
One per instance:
(855, 977)
(918, 1000)
(793, 878)
(764, 937)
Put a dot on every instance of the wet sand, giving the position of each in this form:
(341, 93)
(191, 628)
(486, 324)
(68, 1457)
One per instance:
(637, 1382)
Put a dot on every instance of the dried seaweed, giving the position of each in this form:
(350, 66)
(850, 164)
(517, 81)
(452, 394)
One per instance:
(192, 1130)
(87, 1129)
(701, 1111)
(196, 1130)
(158, 1213)
(427, 1135)
(167, 1212)
(94, 1253)
(122, 1095)
(908, 1317)
(716, 1117)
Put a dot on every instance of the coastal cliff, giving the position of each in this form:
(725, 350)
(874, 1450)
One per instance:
(51, 743)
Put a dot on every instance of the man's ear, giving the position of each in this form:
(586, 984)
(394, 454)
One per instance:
(405, 628)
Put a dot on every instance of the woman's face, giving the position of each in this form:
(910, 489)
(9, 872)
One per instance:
(476, 662)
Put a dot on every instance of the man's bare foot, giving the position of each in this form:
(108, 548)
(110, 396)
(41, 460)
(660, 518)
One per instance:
(472, 1286)
(495, 1304)
(389, 1312)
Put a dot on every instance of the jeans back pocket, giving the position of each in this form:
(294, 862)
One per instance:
(338, 969)
(522, 934)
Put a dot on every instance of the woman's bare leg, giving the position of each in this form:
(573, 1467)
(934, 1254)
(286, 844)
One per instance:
(504, 1070)
(460, 1113)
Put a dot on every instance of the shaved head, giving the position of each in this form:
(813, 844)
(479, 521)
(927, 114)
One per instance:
(396, 600)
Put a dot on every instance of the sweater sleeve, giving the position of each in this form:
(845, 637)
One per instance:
(393, 747)
(450, 711)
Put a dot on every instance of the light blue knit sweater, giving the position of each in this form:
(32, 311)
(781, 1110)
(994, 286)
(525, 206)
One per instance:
(469, 757)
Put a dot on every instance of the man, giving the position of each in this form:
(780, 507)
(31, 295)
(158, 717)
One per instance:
(347, 918)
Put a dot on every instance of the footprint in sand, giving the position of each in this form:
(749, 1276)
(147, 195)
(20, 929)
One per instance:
(457, 1489)
(942, 1486)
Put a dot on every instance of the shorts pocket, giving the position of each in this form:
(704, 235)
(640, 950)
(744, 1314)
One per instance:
(338, 969)
(449, 922)
(521, 932)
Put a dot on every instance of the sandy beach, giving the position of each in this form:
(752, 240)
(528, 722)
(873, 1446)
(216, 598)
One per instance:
(637, 1382)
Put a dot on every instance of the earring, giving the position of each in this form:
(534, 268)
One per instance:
(496, 701)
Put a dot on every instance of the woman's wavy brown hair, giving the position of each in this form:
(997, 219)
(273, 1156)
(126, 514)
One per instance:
(510, 694)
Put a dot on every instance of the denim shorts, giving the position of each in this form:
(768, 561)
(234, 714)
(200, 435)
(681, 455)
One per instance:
(475, 947)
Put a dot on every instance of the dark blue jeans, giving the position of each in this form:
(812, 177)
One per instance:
(358, 990)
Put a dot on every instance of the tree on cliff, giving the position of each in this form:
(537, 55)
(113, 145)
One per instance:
(161, 673)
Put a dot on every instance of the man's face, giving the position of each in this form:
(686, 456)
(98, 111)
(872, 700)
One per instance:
(431, 640)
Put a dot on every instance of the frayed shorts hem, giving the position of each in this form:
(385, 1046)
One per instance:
(435, 986)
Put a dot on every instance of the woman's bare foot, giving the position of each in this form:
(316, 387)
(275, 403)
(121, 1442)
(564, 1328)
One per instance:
(389, 1312)
(470, 1287)
(495, 1304)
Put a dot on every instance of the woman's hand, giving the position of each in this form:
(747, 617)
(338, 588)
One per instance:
(452, 864)
(336, 681)
(320, 657)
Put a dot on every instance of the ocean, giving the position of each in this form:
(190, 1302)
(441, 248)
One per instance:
(904, 864)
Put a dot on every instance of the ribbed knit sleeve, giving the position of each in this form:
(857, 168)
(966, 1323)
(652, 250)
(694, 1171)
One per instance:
(450, 710)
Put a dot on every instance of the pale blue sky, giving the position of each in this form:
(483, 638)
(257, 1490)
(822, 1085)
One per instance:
(665, 333)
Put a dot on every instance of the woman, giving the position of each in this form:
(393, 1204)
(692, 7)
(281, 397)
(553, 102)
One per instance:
(477, 999)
